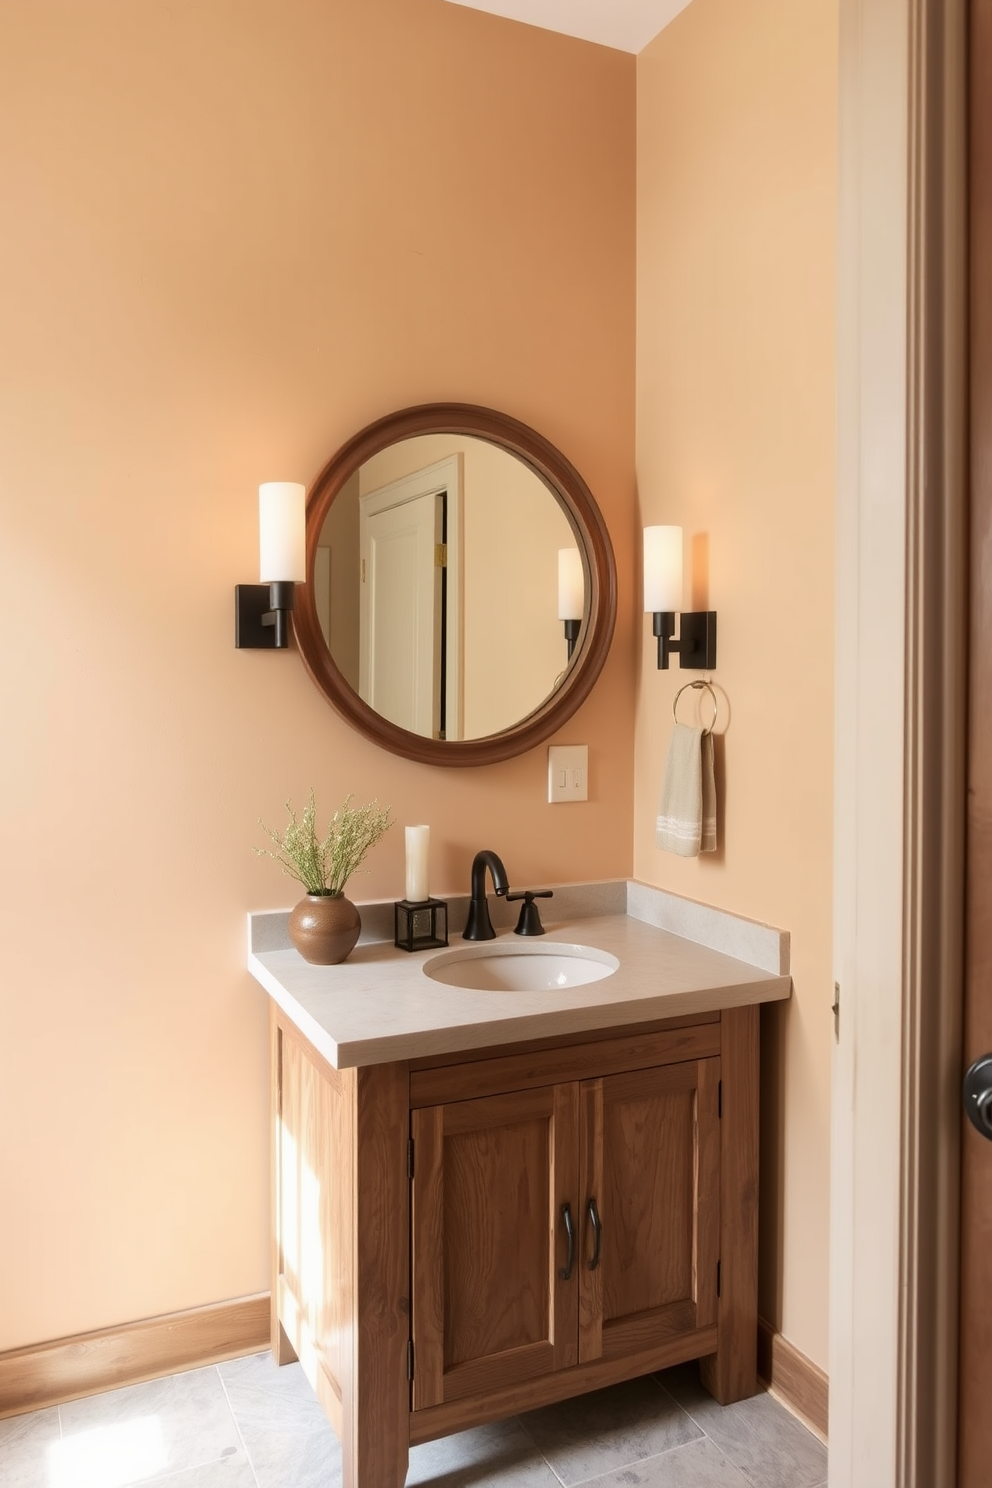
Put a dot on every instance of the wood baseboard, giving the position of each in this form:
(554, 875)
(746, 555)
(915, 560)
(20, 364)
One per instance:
(48, 1373)
(801, 1384)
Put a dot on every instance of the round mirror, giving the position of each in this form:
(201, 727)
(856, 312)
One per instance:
(461, 588)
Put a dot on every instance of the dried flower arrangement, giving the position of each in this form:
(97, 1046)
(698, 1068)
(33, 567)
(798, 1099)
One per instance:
(324, 865)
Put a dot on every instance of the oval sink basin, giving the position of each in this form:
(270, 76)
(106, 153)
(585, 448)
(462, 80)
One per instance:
(521, 968)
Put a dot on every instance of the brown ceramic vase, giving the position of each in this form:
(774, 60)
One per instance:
(324, 928)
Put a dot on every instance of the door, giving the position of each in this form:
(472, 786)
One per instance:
(400, 662)
(974, 1416)
(650, 1162)
(410, 641)
(494, 1241)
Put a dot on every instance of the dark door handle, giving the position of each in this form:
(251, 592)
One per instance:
(566, 1214)
(597, 1230)
(977, 1095)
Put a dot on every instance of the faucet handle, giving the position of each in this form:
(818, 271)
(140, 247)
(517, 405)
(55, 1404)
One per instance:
(529, 922)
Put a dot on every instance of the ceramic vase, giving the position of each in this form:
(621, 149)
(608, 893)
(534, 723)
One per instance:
(324, 928)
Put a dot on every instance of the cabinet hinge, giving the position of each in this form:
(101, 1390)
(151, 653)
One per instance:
(409, 1158)
(718, 1266)
(719, 1100)
(409, 1360)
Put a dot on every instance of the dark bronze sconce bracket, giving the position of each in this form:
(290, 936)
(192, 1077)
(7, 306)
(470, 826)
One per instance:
(261, 615)
(696, 646)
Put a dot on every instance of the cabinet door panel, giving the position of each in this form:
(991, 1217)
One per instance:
(490, 1306)
(650, 1161)
(496, 1182)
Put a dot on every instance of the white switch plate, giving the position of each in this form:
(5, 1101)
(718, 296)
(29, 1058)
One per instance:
(568, 772)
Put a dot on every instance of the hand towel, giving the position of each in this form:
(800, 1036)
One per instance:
(686, 822)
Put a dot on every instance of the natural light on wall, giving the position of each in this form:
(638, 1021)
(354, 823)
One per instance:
(108, 1456)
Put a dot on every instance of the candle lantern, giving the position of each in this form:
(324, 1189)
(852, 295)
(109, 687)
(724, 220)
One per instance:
(420, 926)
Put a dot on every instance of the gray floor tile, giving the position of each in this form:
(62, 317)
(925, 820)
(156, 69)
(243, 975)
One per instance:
(150, 1430)
(249, 1424)
(262, 1391)
(499, 1454)
(759, 1436)
(229, 1472)
(697, 1465)
(287, 1436)
(24, 1445)
(596, 1434)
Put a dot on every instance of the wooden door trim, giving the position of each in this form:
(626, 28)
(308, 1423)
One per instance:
(974, 1433)
(899, 736)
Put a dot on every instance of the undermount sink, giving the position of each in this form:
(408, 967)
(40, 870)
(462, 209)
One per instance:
(521, 967)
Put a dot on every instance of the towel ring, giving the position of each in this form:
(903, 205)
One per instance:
(685, 686)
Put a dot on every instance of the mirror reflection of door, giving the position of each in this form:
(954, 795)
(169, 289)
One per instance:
(505, 650)
(402, 642)
(409, 614)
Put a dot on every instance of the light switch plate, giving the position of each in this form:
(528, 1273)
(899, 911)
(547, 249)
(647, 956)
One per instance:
(568, 772)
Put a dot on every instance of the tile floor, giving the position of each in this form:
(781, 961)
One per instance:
(247, 1424)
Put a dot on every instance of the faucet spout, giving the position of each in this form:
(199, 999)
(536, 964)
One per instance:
(478, 925)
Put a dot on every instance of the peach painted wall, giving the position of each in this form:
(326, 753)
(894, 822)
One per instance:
(737, 147)
(234, 233)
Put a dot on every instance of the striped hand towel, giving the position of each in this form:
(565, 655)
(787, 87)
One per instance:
(686, 822)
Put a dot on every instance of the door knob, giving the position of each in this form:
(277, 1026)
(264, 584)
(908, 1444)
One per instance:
(977, 1095)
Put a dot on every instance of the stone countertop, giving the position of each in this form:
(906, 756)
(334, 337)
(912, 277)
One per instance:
(379, 1006)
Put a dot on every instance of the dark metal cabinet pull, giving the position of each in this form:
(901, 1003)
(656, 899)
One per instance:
(597, 1230)
(566, 1214)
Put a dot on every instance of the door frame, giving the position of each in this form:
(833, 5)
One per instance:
(900, 736)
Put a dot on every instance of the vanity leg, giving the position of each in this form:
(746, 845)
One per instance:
(282, 1350)
(731, 1373)
(376, 1400)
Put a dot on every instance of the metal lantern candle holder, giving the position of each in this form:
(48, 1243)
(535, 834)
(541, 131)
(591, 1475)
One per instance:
(420, 926)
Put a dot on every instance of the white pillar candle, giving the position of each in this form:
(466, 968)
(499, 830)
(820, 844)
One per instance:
(417, 844)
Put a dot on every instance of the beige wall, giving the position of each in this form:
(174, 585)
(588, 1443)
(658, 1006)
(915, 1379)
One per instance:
(737, 124)
(188, 309)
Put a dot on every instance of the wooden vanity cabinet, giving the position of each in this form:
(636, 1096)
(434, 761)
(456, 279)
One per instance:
(464, 1239)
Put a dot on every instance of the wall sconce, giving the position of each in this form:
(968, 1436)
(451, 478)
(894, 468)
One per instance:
(696, 645)
(261, 611)
(571, 594)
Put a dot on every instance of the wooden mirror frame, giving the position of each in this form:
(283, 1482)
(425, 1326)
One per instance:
(599, 566)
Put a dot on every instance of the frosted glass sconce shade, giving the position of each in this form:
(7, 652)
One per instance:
(282, 548)
(662, 569)
(571, 594)
(571, 584)
(696, 646)
(261, 611)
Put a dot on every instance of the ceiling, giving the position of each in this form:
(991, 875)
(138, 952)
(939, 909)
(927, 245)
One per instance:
(627, 25)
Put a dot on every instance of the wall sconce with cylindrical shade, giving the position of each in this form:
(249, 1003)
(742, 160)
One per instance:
(696, 645)
(261, 610)
(571, 594)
